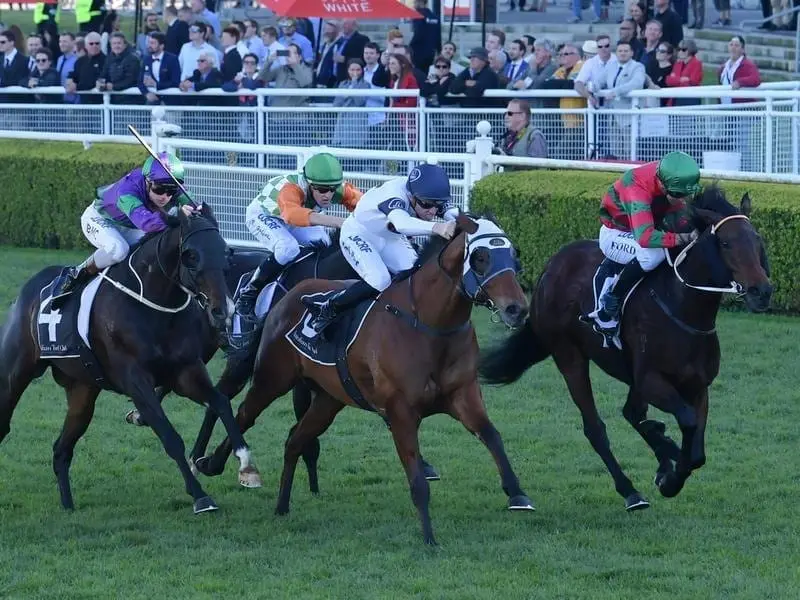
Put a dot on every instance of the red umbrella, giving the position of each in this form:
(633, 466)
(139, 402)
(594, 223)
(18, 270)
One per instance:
(342, 9)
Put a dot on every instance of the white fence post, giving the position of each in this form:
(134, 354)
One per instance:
(106, 114)
(480, 148)
(795, 124)
(634, 130)
(769, 135)
(260, 130)
(422, 126)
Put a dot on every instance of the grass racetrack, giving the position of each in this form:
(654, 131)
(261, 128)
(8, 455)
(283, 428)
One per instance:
(731, 533)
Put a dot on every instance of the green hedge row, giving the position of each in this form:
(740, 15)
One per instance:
(542, 210)
(45, 186)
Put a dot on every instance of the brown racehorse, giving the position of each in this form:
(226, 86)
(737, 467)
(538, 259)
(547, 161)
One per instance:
(416, 355)
(670, 350)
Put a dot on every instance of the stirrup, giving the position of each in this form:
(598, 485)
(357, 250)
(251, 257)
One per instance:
(610, 335)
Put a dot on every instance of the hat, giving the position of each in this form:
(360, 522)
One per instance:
(589, 47)
(286, 22)
(479, 52)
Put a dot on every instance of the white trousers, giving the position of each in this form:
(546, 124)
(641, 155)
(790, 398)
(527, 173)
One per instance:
(621, 247)
(111, 240)
(282, 240)
(375, 257)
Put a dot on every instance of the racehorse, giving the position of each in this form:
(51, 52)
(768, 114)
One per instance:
(142, 333)
(416, 355)
(670, 350)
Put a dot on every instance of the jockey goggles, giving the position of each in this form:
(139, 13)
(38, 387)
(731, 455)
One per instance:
(164, 188)
(324, 189)
(426, 204)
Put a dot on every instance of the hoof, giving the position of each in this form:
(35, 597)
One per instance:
(133, 417)
(636, 502)
(520, 503)
(281, 511)
(203, 464)
(430, 541)
(670, 485)
(250, 478)
(430, 473)
(204, 504)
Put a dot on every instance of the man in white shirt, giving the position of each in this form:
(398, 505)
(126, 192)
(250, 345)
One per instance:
(375, 74)
(192, 50)
(621, 79)
(269, 37)
(593, 73)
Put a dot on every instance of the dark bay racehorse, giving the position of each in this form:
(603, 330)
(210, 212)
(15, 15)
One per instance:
(416, 355)
(142, 332)
(670, 350)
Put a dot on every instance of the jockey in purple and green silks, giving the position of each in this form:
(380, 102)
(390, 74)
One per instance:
(129, 209)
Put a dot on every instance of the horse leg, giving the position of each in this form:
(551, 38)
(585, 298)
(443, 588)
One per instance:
(314, 423)
(575, 369)
(18, 367)
(698, 443)
(81, 400)
(405, 432)
(665, 449)
(134, 417)
(466, 405)
(302, 395)
(663, 395)
(273, 384)
(194, 383)
(147, 403)
(231, 383)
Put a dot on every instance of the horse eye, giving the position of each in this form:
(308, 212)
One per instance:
(724, 244)
(189, 259)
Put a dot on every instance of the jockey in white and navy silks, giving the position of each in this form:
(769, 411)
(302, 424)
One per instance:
(128, 210)
(374, 238)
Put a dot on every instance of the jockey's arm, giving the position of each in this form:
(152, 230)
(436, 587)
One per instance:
(290, 202)
(450, 213)
(404, 223)
(638, 205)
(137, 212)
(350, 196)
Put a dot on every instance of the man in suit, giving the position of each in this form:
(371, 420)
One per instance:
(323, 71)
(34, 44)
(14, 68)
(517, 68)
(231, 59)
(160, 69)
(628, 75)
(351, 46)
(177, 31)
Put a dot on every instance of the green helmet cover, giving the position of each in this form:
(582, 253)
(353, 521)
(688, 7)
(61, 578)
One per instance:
(153, 171)
(680, 174)
(323, 169)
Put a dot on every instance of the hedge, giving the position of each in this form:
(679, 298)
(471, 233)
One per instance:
(45, 186)
(543, 209)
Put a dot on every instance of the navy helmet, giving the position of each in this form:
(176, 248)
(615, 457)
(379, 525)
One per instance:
(429, 183)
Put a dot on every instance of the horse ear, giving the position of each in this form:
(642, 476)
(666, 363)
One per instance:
(746, 205)
(466, 224)
(709, 217)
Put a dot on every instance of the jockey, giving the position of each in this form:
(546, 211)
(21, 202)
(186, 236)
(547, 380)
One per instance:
(374, 238)
(652, 194)
(127, 210)
(288, 212)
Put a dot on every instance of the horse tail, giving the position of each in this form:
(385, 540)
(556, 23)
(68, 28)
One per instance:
(507, 361)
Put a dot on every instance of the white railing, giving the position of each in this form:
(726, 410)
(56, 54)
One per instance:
(762, 136)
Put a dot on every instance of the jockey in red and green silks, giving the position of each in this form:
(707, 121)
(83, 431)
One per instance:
(132, 207)
(641, 215)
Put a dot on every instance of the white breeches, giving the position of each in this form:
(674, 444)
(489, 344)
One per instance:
(375, 257)
(621, 247)
(282, 240)
(111, 240)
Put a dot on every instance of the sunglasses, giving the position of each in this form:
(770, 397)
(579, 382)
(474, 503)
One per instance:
(662, 50)
(164, 188)
(92, 43)
(324, 189)
(602, 46)
(511, 113)
(567, 53)
(425, 205)
(442, 67)
(682, 49)
(194, 29)
(42, 60)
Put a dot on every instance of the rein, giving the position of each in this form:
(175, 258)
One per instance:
(735, 288)
(139, 297)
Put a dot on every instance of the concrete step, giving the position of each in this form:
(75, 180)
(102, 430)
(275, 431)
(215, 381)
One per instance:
(714, 59)
(755, 50)
(764, 39)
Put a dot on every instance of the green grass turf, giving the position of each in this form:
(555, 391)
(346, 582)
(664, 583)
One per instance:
(732, 533)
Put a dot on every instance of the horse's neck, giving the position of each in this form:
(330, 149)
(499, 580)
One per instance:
(695, 307)
(158, 273)
(436, 292)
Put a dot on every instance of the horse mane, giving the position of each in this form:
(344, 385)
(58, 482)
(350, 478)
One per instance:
(436, 244)
(712, 198)
(322, 248)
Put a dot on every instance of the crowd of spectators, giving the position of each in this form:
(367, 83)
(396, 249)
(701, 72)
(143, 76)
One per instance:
(189, 50)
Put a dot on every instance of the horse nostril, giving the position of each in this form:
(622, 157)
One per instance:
(512, 310)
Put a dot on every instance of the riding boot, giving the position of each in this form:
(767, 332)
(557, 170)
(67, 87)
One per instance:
(265, 273)
(75, 277)
(612, 301)
(327, 312)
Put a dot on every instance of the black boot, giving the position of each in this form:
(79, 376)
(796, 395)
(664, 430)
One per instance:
(326, 313)
(75, 277)
(612, 301)
(268, 270)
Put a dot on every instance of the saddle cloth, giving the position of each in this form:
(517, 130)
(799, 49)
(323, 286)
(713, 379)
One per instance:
(64, 332)
(339, 335)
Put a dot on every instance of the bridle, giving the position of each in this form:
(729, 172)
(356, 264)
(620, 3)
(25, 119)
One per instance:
(735, 287)
(181, 276)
